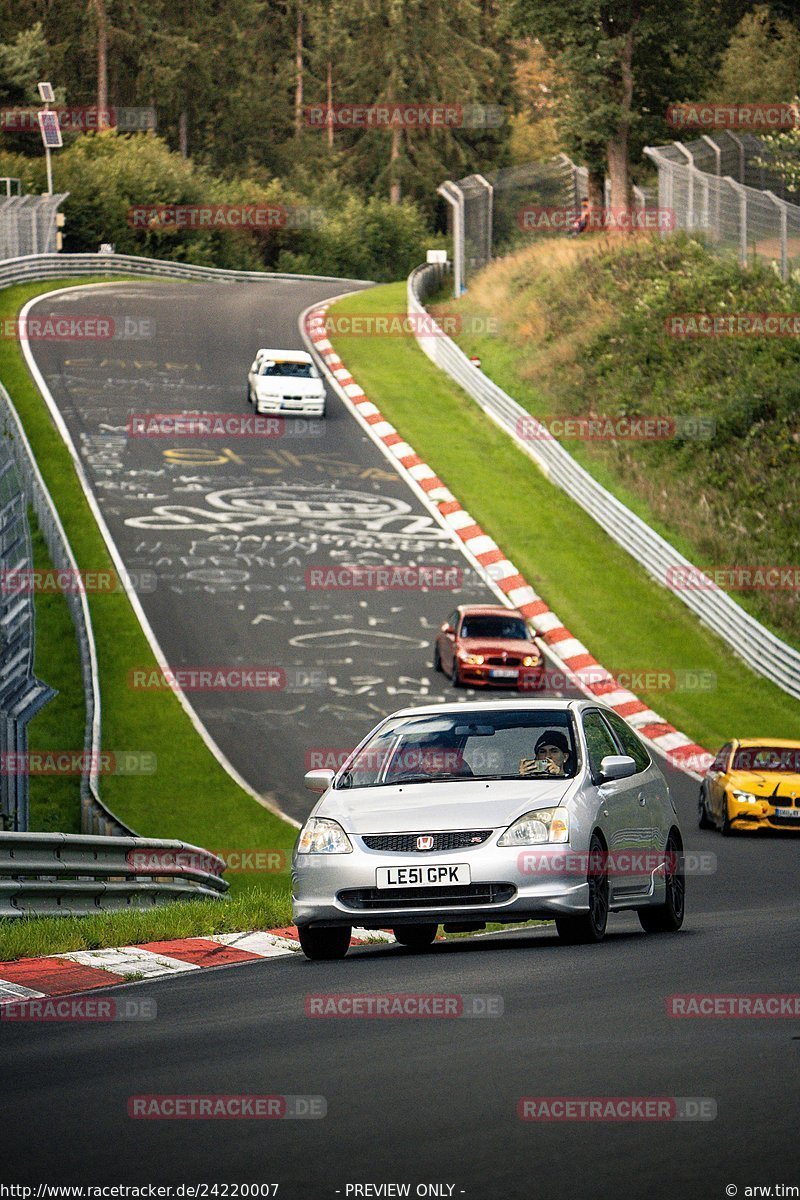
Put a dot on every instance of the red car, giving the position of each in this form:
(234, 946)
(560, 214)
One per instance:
(485, 645)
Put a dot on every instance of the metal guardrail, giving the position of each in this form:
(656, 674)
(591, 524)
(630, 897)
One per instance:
(59, 266)
(61, 874)
(743, 634)
(96, 817)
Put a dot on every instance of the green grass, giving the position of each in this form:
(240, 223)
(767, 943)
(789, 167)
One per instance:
(627, 621)
(55, 800)
(579, 329)
(30, 937)
(189, 796)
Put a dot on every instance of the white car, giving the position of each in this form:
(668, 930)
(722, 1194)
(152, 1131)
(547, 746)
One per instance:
(286, 381)
(461, 814)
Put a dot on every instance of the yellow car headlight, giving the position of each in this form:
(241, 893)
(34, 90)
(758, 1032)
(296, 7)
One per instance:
(472, 660)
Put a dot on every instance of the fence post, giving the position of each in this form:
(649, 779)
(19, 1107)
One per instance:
(740, 146)
(690, 211)
(456, 201)
(742, 194)
(784, 234)
(489, 214)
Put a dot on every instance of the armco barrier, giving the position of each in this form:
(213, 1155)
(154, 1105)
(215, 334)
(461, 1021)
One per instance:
(743, 634)
(69, 874)
(64, 266)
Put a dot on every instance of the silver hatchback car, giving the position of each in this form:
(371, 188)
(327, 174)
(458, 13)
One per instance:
(501, 811)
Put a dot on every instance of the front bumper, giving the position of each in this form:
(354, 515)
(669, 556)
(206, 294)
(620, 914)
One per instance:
(516, 894)
(311, 406)
(525, 678)
(744, 814)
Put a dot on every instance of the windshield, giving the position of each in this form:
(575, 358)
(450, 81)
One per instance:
(494, 627)
(783, 759)
(293, 370)
(494, 744)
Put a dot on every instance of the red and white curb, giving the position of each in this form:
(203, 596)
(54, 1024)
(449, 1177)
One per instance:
(500, 573)
(85, 970)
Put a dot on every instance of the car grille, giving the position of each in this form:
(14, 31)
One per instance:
(396, 843)
(471, 894)
(511, 661)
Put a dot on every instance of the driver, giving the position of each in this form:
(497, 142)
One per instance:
(551, 756)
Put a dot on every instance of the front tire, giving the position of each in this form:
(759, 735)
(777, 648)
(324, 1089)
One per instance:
(668, 917)
(590, 928)
(437, 659)
(323, 945)
(455, 679)
(703, 819)
(416, 937)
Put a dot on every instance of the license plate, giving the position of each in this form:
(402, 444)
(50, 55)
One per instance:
(428, 876)
(788, 812)
(504, 673)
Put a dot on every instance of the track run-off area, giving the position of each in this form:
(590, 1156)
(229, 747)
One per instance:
(227, 532)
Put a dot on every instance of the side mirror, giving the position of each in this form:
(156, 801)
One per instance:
(448, 629)
(320, 780)
(613, 766)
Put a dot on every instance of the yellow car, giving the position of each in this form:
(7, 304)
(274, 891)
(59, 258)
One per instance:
(753, 783)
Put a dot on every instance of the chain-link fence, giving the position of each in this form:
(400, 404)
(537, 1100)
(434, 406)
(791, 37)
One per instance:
(28, 224)
(723, 187)
(484, 210)
(21, 694)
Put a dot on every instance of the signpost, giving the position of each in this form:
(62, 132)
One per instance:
(51, 130)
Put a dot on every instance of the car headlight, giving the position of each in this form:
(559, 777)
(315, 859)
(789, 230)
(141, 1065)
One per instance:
(472, 660)
(535, 828)
(531, 660)
(322, 836)
(746, 797)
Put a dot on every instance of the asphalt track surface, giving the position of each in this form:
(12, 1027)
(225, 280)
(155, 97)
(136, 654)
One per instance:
(409, 1101)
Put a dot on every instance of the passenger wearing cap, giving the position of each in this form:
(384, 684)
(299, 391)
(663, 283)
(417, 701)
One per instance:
(551, 756)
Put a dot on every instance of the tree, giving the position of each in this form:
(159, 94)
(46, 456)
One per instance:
(621, 63)
(762, 61)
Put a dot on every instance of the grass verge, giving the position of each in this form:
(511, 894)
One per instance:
(30, 937)
(627, 621)
(190, 796)
(582, 329)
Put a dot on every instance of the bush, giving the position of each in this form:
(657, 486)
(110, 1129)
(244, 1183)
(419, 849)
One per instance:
(107, 174)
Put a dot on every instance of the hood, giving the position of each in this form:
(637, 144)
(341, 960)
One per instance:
(764, 783)
(515, 647)
(418, 807)
(277, 386)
